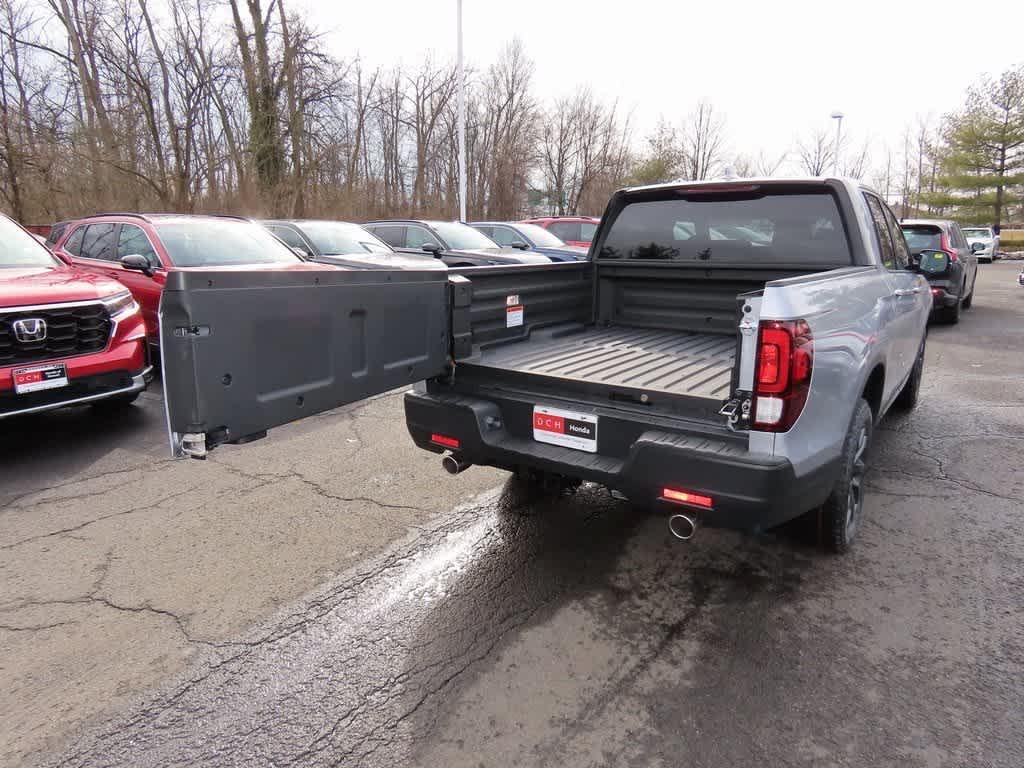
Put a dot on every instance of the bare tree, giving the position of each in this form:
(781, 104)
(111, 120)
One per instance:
(856, 164)
(585, 150)
(768, 165)
(882, 179)
(510, 118)
(908, 175)
(429, 92)
(816, 153)
(262, 90)
(703, 138)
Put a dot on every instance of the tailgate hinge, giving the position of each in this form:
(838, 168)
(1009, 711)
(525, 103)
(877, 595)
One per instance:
(191, 444)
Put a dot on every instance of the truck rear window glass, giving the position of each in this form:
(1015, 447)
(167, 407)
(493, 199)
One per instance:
(803, 228)
(922, 236)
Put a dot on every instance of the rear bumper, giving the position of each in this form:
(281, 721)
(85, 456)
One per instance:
(942, 299)
(945, 292)
(750, 491)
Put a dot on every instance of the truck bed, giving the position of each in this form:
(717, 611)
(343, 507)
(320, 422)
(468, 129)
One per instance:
(678, 362)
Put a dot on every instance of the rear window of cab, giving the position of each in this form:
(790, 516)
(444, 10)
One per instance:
(782, 228)
(920, 237)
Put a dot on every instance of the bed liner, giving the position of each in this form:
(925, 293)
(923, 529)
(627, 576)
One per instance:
(678, 362)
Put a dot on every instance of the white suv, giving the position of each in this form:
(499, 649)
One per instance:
(989, 241)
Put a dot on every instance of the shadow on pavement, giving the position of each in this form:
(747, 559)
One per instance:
(39, 449)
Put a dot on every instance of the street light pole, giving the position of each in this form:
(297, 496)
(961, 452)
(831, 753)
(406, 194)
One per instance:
(462, 123)
(838, 117)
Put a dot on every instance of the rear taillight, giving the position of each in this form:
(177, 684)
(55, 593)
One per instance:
(949, 249)
(785, 357)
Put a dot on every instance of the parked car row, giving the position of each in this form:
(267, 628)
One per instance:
(139, 249)
(454, 243)
(79, 308)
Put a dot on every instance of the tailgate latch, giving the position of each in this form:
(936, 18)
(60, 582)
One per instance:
(737, 411)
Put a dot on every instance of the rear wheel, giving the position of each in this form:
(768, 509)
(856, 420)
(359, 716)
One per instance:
(908, 396)
(951, 315)
(842, 512)
(970, 297)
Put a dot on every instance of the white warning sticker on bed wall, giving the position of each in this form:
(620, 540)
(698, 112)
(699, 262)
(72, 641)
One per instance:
(513, 316)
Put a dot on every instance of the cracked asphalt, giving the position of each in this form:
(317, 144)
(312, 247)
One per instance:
(328, 597)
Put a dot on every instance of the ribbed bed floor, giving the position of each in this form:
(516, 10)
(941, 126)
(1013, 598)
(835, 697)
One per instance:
(680, 362)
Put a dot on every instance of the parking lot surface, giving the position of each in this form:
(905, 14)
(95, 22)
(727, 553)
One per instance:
(328, 597)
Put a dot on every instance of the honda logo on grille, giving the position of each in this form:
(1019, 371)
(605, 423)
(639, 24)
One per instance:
(29, 329)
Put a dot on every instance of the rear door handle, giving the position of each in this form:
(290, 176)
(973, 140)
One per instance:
(906, 291)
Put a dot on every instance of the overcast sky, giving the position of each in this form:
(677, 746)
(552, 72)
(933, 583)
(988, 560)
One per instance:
(774, 69)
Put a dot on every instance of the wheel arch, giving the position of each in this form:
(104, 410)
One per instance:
(874, 389)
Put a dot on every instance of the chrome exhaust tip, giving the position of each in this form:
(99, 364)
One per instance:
(682, 526)
(453, 465)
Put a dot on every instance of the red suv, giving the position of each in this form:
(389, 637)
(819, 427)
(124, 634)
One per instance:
(66, 337)
(572, 230)
(139, 250)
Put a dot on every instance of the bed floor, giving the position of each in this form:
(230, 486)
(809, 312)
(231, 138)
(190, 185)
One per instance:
(680, 362)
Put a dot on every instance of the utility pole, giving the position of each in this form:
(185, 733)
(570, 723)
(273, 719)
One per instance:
(838, 117)
(462, 122)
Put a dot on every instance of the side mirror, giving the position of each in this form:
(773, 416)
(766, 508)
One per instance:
(977, 247)
(519, 244)
(300, 252)
(432, 248)
(137, 262)
(933, 262)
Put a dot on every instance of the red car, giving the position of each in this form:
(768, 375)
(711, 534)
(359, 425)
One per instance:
(140, 249)
(572, 230)
(66, 337)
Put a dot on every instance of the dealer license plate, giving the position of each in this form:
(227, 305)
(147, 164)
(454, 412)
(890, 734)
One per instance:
(565, 428)
(40, 377)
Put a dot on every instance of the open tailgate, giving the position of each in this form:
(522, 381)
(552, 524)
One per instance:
(246, 351)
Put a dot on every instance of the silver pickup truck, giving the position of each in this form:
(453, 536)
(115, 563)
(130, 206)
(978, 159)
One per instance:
(723, 355)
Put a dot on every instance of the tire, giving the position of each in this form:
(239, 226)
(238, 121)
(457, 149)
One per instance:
(951, 315)
(117, 402)
(907, 398)
(970, 299)
(841, 514)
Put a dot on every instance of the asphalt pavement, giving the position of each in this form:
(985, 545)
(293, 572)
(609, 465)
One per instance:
(328, 597)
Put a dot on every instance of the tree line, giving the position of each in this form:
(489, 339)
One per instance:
(240, 106)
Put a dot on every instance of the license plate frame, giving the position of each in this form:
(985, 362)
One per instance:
(568, 429)
(37, 378)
